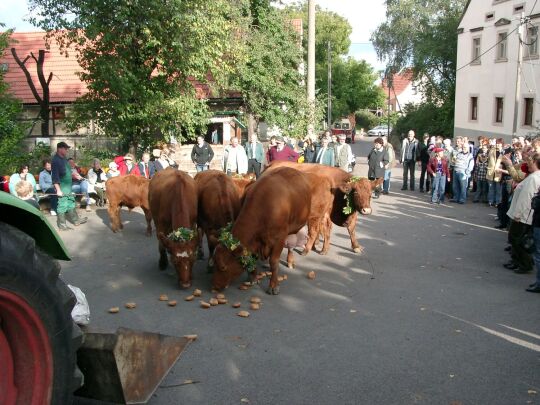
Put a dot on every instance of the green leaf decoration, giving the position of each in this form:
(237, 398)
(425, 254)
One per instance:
(247, 259)
(181, 235)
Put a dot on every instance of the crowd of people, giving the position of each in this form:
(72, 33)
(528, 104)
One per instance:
(504, 176)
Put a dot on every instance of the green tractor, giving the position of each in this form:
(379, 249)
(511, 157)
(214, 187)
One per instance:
(38, 338)
(42, 351)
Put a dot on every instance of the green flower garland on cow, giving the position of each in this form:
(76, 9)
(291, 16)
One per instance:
(348, 209)
(181, 235)
(226, 238)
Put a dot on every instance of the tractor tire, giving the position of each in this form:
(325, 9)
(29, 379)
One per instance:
(38, 338)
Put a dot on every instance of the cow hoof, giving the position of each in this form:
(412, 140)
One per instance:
(357, 250)
(323, 252)
(185, 285)
(304, 252)
(273, 291)
(290, 265)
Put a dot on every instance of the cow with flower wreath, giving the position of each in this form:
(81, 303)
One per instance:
(350, 195)
(173, 201)
(275, 206)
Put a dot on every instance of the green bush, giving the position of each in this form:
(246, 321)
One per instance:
(86, 155)
(366, 120)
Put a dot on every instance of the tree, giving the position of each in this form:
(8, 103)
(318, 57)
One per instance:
(422, 34)
(142, 58)
(353, 86)
(270, 80)
(353, 82)
(43, 99)
(11, 130)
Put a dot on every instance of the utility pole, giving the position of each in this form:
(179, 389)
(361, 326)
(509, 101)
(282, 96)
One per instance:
(329, 85)
(311, 64)
(388, 84)
(522, 22)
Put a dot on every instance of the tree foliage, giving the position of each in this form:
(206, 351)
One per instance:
(353, 86)
(12, 133)
(141, 58)
(353, 82)
(422, 34)
(270, 80)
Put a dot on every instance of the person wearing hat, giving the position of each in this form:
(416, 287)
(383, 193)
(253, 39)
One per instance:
(282, 152)
(344, 155)
(129, 166)
(61, 178)
(438, 168)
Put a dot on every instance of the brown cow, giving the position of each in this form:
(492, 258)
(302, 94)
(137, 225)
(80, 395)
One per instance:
(275, 206)
(128, 191)
(343, 184)
(173, 201)
(218, 204)
(242, 181)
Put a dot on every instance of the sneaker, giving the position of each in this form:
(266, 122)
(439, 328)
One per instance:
(385, 192)
(53, 213)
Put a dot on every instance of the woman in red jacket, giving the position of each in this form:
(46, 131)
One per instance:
(438, 170)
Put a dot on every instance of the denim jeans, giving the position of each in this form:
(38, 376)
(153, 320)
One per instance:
(81, 188)
(482, 191)
(460, 186)
(386, 182)
(437, 190)
(201, 168)
(536, 256)
(494, 192)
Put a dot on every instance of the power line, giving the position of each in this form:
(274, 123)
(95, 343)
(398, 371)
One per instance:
(526, 20)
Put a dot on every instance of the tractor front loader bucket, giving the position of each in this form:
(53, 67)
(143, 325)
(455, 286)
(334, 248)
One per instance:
(126, 367)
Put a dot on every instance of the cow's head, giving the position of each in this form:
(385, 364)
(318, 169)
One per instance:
(182, 249)
(227, 267)
(359, 191)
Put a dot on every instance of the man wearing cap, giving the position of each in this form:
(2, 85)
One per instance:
(61, 178)
(282, 152)
(344, 155)
(129, 166)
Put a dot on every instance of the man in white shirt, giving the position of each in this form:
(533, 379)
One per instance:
(235, 159)
(344, 155)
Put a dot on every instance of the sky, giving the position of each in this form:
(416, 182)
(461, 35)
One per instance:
(364, 17)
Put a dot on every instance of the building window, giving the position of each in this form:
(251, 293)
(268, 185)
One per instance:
(474, 109)
(476, 50)
(531, 42)
(499, 109)
(502, 46)
(519, 8)
(528, 116)
(490, 16)
(58, 113)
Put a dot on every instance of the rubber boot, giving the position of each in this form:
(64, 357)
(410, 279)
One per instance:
(61, 222)
(74, 218)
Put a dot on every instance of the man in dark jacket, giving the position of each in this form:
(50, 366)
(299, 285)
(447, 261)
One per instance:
(409, 156)
(146, 166)
(255, 154)
(202, 154)
(424, 160)
(377, 161)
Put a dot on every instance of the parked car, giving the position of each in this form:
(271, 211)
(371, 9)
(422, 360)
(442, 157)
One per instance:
(381, 130)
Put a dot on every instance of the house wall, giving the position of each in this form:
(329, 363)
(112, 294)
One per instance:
(408, 96)
(491, 76)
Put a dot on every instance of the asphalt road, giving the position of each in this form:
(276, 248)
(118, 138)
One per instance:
(426, 315)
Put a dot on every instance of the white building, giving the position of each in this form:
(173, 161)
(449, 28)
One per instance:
(487, 62)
